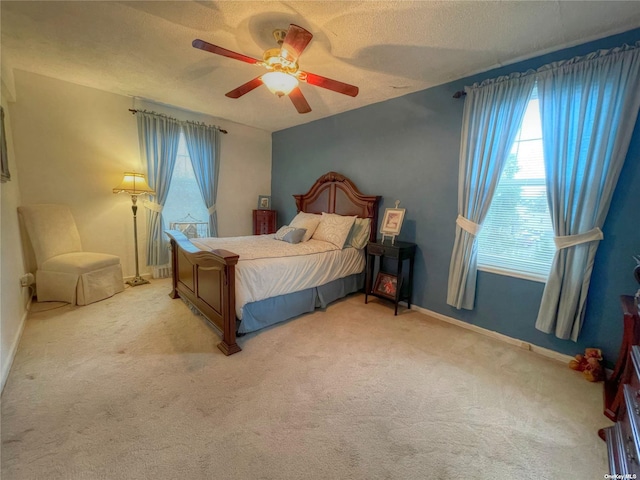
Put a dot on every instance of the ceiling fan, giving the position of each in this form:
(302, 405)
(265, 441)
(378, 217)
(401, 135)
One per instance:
(282, 62)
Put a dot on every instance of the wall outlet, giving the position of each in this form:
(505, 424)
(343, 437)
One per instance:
(27, 279)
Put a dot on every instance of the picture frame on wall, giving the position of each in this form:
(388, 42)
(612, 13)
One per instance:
(5, 176)
(386, 285)
(264, 202)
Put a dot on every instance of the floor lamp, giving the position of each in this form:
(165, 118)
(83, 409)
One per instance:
(135, 185)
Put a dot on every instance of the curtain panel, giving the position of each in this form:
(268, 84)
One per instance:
(203, 143)
(159, 137)
(588, 108)
(492, 116)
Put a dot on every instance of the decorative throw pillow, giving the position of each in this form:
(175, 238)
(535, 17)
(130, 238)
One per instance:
(334, 228)
(282, 231)
(290, 234)
(308, 221)
(359, 234)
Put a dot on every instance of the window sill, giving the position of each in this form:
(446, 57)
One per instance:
(511, 273)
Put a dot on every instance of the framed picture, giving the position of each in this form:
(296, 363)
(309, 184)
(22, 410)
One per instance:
(264, 202)
(5, 176)
(386, 285)
(392, 221)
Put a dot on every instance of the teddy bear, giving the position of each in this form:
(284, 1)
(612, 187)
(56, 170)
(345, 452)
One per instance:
(589, 364)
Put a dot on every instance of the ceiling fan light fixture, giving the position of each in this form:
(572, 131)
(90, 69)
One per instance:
(279, 83)
(283, 74)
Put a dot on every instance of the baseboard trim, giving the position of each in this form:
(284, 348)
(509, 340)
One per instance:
(545, 352)
(6, 368)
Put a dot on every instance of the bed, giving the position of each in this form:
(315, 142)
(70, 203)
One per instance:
(205, 272)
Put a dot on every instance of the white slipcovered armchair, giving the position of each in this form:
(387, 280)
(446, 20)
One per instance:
(65, 273)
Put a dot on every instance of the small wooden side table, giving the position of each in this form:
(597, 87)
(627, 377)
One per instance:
(400, 251)
(264, 221)
(614, 385)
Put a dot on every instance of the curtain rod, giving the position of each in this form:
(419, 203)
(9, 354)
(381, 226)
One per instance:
(590, 57)
(134, 111)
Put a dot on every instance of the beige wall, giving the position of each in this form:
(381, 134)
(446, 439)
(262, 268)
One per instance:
(75, 142)
(13, 298)
(70, 144)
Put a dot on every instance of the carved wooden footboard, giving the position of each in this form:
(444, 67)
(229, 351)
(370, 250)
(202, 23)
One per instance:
(207, 281)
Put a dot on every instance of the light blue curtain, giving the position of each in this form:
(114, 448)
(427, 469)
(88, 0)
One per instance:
(159, 137)
(588, 108)
(493, 112)
(203, 143)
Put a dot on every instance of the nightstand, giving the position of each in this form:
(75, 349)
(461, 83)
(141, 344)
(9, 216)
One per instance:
(264, 221)
(390, 285)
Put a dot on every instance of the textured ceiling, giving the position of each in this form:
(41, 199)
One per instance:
(388, 49)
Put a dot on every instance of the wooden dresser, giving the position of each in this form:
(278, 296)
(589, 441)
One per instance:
(614, 385)
(264, 221)
(623, 439)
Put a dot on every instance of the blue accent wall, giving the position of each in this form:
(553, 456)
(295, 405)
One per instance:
(407, 149)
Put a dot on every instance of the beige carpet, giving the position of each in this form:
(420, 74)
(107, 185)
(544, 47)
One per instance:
(134, 387)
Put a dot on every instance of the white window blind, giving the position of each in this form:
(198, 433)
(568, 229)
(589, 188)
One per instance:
(516, 237)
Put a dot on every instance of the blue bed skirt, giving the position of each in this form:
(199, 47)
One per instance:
(257, 315)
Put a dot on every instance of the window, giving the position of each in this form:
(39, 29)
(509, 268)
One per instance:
(184, 200)
(517, 237)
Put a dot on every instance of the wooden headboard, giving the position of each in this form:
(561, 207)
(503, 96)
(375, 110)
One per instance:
(335, 193)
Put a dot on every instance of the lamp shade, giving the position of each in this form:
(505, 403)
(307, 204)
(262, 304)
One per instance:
(280, 83)
(134, 184)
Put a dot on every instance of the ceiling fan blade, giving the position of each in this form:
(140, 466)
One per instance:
(299, 101)
(328, 83)
(294, 43)
(246, 88)
(202, 45)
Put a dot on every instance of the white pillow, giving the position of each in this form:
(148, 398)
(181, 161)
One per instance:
(334, 228)
(308, 221)
(359, 234)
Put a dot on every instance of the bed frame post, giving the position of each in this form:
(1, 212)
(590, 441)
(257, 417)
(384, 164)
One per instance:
(174, 266)
(228, 344)
(206, 279)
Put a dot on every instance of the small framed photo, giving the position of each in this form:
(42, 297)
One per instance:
(392, 221)
(5, 176)
(264, 202)
(386, 285)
